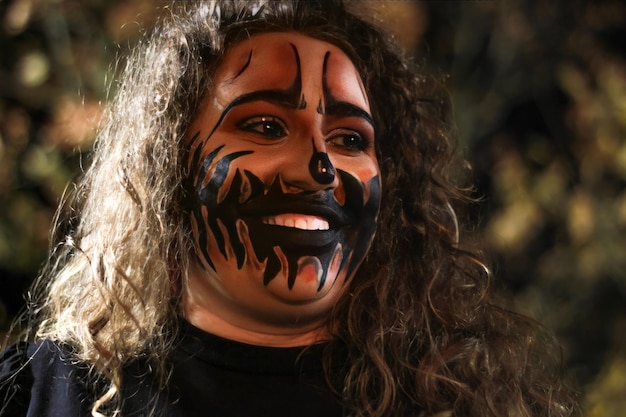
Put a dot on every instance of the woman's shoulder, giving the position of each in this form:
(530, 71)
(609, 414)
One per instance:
(15, 378)
(42, 357)
(41, 378)
(12, 359)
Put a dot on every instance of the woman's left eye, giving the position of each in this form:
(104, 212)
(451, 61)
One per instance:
(350, 140)
(267, 126)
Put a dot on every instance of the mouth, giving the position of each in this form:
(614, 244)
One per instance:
(297, 221)
(293, 230)
(314, 212)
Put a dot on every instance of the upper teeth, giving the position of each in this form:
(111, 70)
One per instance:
(299, 221)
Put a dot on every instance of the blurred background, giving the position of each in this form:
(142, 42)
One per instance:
(539, 90)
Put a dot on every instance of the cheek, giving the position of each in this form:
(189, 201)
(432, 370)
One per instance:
(213, 177)
(366, 173)
(362, 169)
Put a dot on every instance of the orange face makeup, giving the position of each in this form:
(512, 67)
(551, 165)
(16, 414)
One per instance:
(284, 183)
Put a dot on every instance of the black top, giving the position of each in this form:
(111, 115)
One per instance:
(211, 376)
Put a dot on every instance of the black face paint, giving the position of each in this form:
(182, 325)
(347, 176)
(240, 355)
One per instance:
(334, 107)
(207, 196)
(351, 226)
(245, 66)
(320, 167)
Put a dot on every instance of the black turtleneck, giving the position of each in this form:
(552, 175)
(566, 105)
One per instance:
(210, 376)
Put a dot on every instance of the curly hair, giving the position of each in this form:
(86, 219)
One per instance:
(418, 320)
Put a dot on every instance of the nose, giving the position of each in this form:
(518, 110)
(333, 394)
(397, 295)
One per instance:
(321, 168)
(312, 170)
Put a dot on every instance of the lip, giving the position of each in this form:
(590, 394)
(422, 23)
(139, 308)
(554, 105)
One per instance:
(314, 205)
(292, 236)
(297, 221)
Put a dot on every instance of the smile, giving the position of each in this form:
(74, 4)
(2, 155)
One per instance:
(298, 221)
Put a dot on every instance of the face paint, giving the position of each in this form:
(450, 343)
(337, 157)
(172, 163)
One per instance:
(284, 195)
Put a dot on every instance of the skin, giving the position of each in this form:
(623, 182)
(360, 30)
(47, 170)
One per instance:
(284, 190)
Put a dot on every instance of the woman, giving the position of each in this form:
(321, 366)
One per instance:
(219, 257)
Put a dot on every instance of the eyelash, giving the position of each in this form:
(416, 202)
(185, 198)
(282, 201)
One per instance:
(358, 142)
(267, 126)
(272, 127)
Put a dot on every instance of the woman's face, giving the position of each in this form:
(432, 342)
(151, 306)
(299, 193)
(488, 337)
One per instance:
(284, 183)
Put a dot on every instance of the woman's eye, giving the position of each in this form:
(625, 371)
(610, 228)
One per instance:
(266, 126)
(352, 141)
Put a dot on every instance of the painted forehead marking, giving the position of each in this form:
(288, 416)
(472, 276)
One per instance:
(245, 66)
(334, 107)
(291, 97)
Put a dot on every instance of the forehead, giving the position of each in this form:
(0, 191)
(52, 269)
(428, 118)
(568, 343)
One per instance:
(272, 60)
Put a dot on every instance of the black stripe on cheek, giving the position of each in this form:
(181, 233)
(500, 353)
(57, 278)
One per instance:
(207, 196)
(194, 199)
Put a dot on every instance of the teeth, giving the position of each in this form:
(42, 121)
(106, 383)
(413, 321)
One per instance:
(298, 221)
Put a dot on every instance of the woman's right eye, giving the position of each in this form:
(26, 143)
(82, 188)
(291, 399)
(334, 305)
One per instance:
(270, 127)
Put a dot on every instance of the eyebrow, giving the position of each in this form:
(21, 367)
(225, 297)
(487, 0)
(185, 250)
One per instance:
(345, 109)
(282, 98)
(285, 99)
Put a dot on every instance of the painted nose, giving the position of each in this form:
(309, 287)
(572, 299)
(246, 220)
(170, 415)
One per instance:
(321, 168)
(318, 173)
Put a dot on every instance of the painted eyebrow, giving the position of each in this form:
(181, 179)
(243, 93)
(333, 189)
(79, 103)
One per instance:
(345, 109)
(285, 99)
(278, 97)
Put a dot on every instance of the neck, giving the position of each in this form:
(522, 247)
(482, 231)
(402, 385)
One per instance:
(260, 336)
